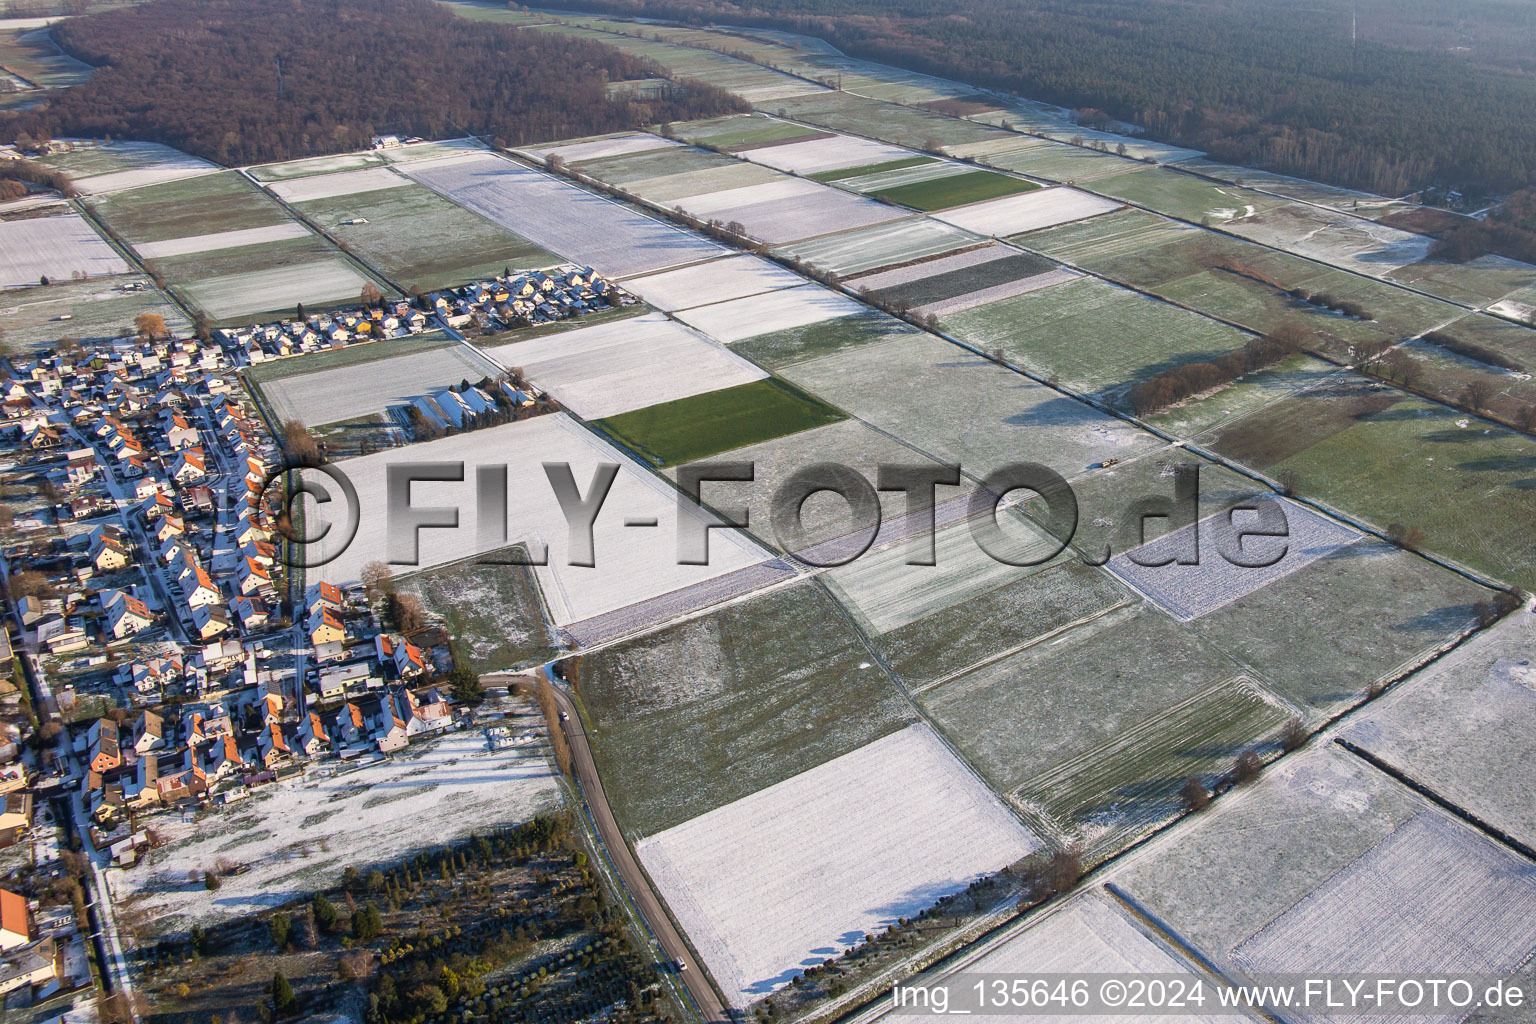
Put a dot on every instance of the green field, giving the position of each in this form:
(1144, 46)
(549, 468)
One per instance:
(717, 421)
(862, 169)
(202, 205)
(744, 130)
(704, 712)
(1053, 161)
(1390, 458)
(1094, 337)
(416, 237)
(1247, 394)
(491, 611)
(888, 122)
(955, 190)
(625, 168)
(349, 355)
(1476, 282)
(954, 283)
(1184, 196)
(797, 344)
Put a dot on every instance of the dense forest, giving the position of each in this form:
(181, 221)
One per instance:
(1417, 93)
(245, 81)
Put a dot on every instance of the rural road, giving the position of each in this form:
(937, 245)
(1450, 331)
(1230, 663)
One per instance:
(623, 858)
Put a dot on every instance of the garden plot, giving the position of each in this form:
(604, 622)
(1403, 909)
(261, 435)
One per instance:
(1390, 458)
(314, 283)
(595, 149)
(1258, 851)
(789, 208)
(850, 252)
(1434, 896)
(739, 319)
(344, 183)
(880, 834)
(613, 368)
(345, 393)
(298, 836)
(1448, 727)
(562, 218)
(55, 248)
(1027, 212)
(703, 284)
(1189, 591)
(1352, 243)
(98, 309)
(316, 165)
(713, 708)
(420, 239)
(114, 166)
(627, 570)
(1088, 934)
(220, 240)
(819, 155)
(959, 407)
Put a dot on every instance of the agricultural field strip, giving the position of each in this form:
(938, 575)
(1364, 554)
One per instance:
(1434, 895)
(882, 831)
(580, 225)
(56, 247)
(998, 292)
(703, 284)
(919, 270)
(138, 177)
(878, 180)
(852, 252)
(340, 183)
(328, 279)
(602, 371)
(220, 240)
(718, 204)
(596, 149)
(1027, 211)
(626, 572)
(749, 317)
(818, 155)
(1189, 591)
(348, 392)
(264, 173)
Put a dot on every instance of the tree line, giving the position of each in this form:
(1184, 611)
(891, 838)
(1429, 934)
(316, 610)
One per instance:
(246, 81)
(1279, 85)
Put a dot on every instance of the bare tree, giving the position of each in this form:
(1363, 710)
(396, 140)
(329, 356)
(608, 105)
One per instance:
(377, 579)
(1194, 795)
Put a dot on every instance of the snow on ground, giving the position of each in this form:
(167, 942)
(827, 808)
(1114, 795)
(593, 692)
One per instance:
(819, 155)
(998, 292)
(1432, 896)
(637, 142)
(299, 835)
(789, 208)
(347, 392)
(930, 268)
(315, 165)
(55, 247)
(330, 279)
(612, 368)
(800, 871)
(221, 240)
(1189, 591)
(1086, 935)
(631, 564)
(343, 183)
(776, 311)
(551, 213)
(716, 281)
(905, 176)
(1027, 211)
(143, 163)
(853, 251)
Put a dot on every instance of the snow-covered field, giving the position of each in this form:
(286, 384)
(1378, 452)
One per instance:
(635, 142)
(1432, 896)
(1027, 211)
(819, 155)
(800, 871)
(774, 311)
(930, 268)
(904, 176)
(316, 165)
(631, 565)
(789, 208)
(220, 240)
(53, 247)
(850, 252)
(347, 392)
(1335, 237)
(1190, 591)
(123, 165)
(300, 835)
(560, 217)
(613, 368)
(343, 183)
(716, 281)
(1086, 935)
(998, 292)
(888, 593)
(262, 291)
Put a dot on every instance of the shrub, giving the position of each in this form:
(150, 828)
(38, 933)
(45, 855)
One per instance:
(1194, 795)
(1249, 765)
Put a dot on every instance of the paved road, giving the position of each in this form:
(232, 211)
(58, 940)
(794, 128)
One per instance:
(623, 858)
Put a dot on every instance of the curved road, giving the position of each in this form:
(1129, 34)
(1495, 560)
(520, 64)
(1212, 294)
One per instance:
(622, 857)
